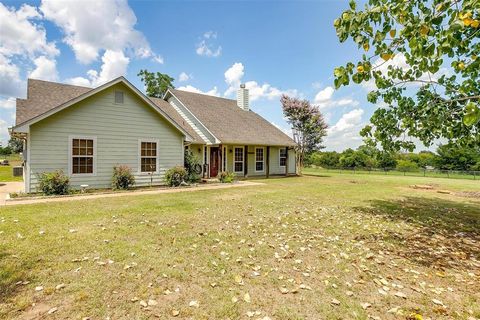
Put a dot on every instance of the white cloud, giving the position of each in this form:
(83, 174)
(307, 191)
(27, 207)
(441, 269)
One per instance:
(46, 69)
(101, 27)
(189, 88)
(206, 47)
(115, 64)
(18, 35)
(4, 136)
(8, 103)
(323, 95)
(97, 25)
(233, 78)
(22, 40)
(184, 77)
(324, 100)
(345, 133)
(10, 82)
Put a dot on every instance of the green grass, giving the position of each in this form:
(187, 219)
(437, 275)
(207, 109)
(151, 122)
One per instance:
(470, 175)
(325, 237)
(6, 172)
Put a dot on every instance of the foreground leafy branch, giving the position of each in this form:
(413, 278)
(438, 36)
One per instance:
(422, 57)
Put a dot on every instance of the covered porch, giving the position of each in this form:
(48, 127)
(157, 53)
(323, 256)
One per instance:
(245, 160)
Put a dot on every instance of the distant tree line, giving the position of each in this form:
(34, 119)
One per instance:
(13, 146)
(446, 157)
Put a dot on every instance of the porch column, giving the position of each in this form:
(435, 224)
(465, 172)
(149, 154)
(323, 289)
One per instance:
(220, 158)
(286, 161)
(268, 162)
(245, 162)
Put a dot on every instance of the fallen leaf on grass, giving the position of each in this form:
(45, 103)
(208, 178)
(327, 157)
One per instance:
(335, 302)
(175, 313)
(366, 305)
(52, 310)
(194, 304)
(246, 297)
(152, 302)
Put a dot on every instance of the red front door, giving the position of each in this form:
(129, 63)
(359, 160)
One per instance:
(214, 161)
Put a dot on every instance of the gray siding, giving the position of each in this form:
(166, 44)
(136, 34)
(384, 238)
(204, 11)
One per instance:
(117, 128)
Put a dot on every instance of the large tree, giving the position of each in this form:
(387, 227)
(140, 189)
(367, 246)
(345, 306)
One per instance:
(156, 83)
(423, 58)
(308, 126)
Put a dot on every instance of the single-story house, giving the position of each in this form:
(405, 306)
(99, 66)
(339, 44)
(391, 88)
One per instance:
(85, 132)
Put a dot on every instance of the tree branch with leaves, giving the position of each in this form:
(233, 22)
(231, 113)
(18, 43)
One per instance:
(156, 83)
(436, 93)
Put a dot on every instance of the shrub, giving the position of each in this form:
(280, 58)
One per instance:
(192, 166)
(175, 176)
(122, 178)
(406, 166)
(226, 177)
(54, 183)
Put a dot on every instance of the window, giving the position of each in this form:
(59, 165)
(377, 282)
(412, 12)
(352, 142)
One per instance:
(83, 153)
(283, 157)
(148, 156)
(259, 160)
(118, 96)
(238, 160)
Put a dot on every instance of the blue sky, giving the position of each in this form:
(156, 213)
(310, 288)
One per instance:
(212, 47)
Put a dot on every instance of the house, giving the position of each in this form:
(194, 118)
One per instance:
(87, 131)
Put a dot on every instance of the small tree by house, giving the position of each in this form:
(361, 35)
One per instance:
(307, 124)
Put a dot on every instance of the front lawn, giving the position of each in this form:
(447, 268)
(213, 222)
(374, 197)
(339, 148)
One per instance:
(335, 246)
(6, 172)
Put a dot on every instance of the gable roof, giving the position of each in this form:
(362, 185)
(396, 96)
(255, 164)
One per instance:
(229, 123)
(45, 98)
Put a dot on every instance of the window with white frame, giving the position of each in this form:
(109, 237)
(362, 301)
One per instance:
(283, 157)
(148, 156)
(83, 155)
(259, 159)
(238, 160)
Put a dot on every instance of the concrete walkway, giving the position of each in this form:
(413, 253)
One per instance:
(8, 187)
(129, 194)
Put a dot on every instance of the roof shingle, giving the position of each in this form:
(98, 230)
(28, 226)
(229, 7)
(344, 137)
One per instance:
(231, 124)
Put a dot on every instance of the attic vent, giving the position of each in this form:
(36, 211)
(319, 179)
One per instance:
(118, 96)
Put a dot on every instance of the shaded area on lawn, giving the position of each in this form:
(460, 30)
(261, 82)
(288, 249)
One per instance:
(13, 272)
(446, 234)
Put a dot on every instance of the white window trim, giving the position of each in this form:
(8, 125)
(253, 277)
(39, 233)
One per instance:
(70, 156)
(157, 162)
(280, 156)
(243, 159)
(263, 160)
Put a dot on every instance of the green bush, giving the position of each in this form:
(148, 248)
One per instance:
(192, 166)
(226, 177)
(122, 178)
(54, 183)
(406, 166)
(175, 176)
